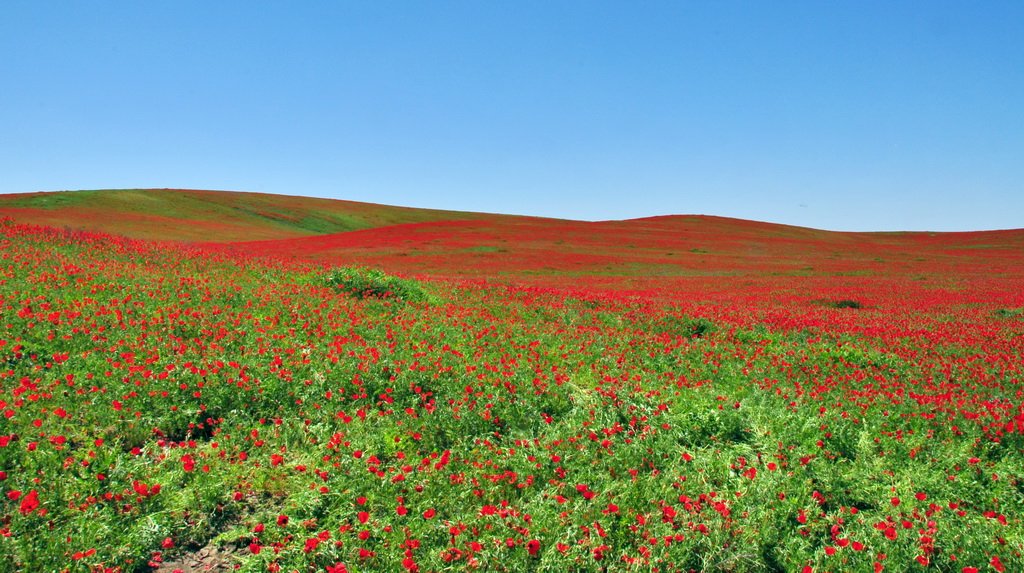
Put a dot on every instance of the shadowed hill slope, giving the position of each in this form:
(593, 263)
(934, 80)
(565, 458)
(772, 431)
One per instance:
(190, 215)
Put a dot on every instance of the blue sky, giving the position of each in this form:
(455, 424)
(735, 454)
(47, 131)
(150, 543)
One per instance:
(867, 115)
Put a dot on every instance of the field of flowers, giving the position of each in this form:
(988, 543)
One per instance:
(162, 401)
(194, 215)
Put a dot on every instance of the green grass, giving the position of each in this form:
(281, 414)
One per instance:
(212, 215)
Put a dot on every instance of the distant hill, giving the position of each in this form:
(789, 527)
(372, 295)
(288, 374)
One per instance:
(190, 215)
(632, 253)
(662, 248)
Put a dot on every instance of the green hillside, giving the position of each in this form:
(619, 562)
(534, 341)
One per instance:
(175, 214)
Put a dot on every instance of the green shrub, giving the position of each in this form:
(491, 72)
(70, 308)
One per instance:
(363, 282)
(678, 325)
(843, 303)
(698, 327)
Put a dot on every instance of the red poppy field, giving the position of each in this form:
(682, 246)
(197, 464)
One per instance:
(511, 394)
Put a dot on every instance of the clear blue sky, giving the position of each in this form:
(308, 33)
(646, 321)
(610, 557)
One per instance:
(860, 115)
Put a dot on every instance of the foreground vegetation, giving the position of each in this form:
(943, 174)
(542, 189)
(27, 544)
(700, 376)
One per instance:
(158, 400)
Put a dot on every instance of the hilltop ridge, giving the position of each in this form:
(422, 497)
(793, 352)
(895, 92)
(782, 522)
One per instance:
(199, 215)
(477, 245)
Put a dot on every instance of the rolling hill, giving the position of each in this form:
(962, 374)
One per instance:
(192, 215)
(629, 254)
(553, 395)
